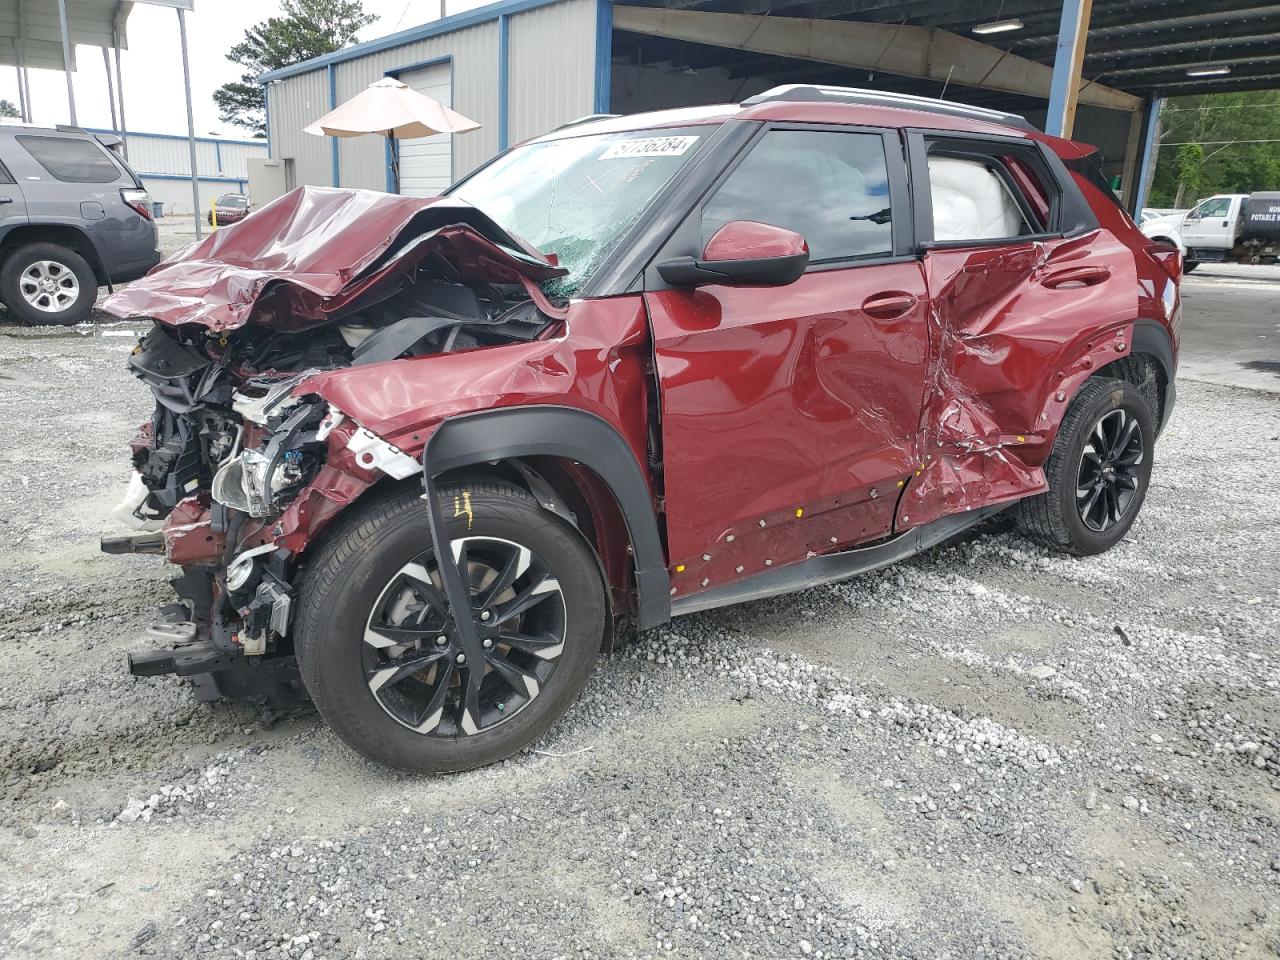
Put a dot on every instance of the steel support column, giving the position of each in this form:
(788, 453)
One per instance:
(124, 127)
(1150, 147)
(191, 123)
(66, 60)
(111, 89)
(1068, 63)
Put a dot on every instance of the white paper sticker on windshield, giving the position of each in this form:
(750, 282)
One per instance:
(649, 147)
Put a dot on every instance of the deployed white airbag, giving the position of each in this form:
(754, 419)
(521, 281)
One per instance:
(970, 202)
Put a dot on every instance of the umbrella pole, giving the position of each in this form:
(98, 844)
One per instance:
(395, 161)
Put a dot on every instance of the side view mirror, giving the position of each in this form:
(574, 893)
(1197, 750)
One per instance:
(742, 253)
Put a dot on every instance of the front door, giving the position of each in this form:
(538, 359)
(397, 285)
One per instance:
(1208, 226)
(789, 414)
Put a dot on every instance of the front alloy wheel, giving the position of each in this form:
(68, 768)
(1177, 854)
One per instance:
(422, 672)
(389, 664)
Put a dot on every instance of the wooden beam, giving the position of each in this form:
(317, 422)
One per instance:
(1068, 65)
(902, 49)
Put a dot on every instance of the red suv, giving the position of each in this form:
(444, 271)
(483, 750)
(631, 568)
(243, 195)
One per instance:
(651, 365)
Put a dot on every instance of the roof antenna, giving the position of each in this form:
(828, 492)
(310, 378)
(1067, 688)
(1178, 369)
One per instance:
(943, 94)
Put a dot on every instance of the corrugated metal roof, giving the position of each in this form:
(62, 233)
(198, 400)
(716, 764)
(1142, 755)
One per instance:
(1144, 47)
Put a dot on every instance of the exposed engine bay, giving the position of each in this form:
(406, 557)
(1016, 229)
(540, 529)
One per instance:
(240, 465)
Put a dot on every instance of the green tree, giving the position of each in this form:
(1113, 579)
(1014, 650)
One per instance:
(307, 28)
(7, 109)
(1218, 143)
(1189, 164)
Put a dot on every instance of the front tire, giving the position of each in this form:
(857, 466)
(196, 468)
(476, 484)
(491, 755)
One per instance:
(379, 650)
(46, 284)
(1098, 472)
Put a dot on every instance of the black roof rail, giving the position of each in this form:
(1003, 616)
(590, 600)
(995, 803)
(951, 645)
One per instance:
(821, 93)
(587, 119)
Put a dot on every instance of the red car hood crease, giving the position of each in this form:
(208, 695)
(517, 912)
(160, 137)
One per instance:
(305, 250)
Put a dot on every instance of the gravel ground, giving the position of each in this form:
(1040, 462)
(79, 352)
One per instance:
(986, 751)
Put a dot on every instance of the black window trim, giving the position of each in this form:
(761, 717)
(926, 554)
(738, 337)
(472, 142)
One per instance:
(22, 140)
(687, 237)
(1069, 213)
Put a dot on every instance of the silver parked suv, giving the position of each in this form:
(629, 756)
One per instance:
(73, 216)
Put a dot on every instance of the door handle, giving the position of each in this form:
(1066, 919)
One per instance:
(6, 199)
(1076, 277)
(888, 306)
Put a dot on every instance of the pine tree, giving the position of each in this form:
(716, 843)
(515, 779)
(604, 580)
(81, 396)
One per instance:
(308, 28)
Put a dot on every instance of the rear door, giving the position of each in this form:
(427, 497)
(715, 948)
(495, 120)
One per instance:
(789, 414)
(1020, 277)
(13, 205)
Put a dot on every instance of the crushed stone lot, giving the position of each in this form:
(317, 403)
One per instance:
(986, 751)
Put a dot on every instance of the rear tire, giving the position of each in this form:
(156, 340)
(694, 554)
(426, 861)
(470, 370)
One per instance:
(46, 284)
(1098, 472)
(1189, 266)
(368, 593)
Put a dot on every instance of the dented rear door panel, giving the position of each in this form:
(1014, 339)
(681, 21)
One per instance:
(1014, 328)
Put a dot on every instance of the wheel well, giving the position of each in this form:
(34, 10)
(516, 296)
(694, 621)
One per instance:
(69, 237)
(590, 506)
(1145, 372)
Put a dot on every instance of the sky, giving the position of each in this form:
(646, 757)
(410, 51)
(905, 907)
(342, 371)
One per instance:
(152, 65)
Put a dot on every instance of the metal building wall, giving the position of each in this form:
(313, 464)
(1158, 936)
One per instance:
(474, 53)
(292, 103)
(552, 67)
(551, 79)
(167, 154)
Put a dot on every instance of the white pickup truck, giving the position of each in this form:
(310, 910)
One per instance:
(1226, 228)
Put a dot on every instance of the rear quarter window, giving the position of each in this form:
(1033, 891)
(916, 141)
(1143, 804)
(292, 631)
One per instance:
(71, 160)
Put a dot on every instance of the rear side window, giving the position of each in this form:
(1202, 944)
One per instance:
(830, 187)
(71, 160)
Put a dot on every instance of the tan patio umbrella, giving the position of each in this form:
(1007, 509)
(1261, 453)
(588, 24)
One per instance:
(391, 109)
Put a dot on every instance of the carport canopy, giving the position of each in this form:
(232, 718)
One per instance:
(1116, 59)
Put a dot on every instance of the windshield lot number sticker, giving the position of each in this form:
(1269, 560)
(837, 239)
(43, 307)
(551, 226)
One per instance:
(649, 147)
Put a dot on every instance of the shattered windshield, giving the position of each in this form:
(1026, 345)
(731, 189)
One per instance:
(578, 197)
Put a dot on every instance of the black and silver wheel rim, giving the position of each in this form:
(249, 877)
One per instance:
(428, 676)
(1110, 470)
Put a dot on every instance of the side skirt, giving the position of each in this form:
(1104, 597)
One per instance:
(832, 567)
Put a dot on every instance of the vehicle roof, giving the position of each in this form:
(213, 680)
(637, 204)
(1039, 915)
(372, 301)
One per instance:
(800, 111)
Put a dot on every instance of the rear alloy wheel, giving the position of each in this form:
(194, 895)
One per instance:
(381, 650)
(48, 285)
(1110, 470)
(1098, 471)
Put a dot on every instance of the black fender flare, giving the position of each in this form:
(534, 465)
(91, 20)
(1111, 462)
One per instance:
(553, 431)
(1151, 338)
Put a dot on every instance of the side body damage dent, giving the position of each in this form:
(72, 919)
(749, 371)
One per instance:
(1005, 361)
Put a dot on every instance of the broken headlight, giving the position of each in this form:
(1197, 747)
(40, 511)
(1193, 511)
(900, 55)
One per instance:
(243, 484)
(256, 481)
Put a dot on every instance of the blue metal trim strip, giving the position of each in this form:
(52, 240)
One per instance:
(266, 110)
(458, 21)
(419, 65)
(217, 153)
(391, 180)
(334, 160)
(1146, 168)
(504, 80)
(184, 177)
(261, 142)
(604, 56)
(1072, 11)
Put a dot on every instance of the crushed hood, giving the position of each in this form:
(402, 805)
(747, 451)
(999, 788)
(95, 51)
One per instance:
(314, 251)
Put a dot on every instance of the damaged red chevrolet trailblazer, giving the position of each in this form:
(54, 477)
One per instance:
(426, 452)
